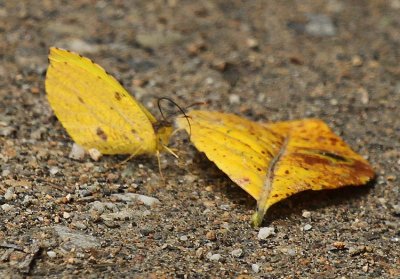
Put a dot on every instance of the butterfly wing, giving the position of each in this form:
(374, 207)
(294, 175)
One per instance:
(95, 109)
(274, 161)
(240, 148)
(314, 159)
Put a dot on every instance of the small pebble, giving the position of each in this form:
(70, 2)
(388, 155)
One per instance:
(112, 177)
(339, 245)
(7, 207)
(183, 238)
(224, 207)
(195, 47)
(356, 61)
(252, 43)
(265, 232)
(219, 65)
(146, 231)
(80, 225)
(255, 268)
(9, 194)
(291, 252)
(199, 253)
(98, 206)
(68, 197)
(76, 239)
(234, 99)
(237, 253)
(209, 80)
(54, 170)
(306, 214)
(27, 200)
(139, 82)
(94, 154)
(158, 39)
(391, 178)
(37, 134)
(215, 257)
(353, 251)
(364, 95)
(365, 268)
(80, 45)
(307, 227)
(66, 215)
(77, 152)
(211, 235)
(35, 90)
(320, 25)
(382, 200)
(7, 131)
(5, 173)
(333, 102)
(131, 197)
(51, 254)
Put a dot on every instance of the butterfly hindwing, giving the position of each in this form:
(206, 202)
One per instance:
(274, 161)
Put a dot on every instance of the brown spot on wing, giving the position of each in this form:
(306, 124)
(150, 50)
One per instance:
(118, 96)
(333, 140)
(363, 168)
(101, 133)
(337, 157)
(80, 100)
(311, 159)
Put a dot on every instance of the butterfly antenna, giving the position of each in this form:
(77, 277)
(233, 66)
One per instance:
(197, 104)
(180, 109)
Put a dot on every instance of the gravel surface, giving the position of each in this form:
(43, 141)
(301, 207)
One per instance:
(265, 60)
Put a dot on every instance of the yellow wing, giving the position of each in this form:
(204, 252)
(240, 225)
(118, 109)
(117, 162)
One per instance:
(273, 161)
(236, 145)
(95, 109)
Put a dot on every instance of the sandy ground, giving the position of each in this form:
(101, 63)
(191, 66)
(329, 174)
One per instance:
(266, 60)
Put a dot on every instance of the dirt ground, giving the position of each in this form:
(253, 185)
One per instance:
(265, 60)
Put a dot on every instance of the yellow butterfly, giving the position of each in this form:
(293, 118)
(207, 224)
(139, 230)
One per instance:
(97, 111)
(274, 161)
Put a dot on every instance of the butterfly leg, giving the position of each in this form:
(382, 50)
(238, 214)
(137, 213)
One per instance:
(130, 157)
(171, 151)
(159, 165)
